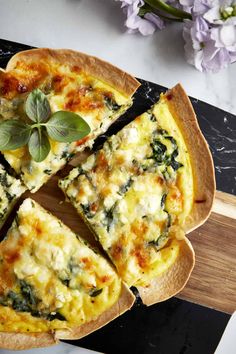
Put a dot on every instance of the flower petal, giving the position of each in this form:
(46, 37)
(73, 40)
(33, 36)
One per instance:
(156, 20)
(228, 35)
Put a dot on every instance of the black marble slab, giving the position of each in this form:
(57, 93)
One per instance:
(174, 326)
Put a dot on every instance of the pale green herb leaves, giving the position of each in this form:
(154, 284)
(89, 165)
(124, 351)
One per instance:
(62, 126)
(13, 134)
(66, 127)
(39, 145)
(37, 106)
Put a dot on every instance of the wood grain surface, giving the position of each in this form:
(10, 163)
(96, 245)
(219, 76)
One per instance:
(213, 281)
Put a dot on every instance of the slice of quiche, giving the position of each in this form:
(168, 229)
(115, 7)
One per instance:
(52, 284)
(147, 186)
(72, 81)
(11, 189)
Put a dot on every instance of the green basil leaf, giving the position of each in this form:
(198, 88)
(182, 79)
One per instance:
(13, 134)
(39, 145)
(37, 106)
(66, 127)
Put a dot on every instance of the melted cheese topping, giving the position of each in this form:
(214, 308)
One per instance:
(49, 278)
(10, 190)
(133, 190)
(66, 88)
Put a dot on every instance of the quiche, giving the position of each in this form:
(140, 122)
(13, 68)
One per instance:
(72, 81)
(150, 184)
(11, 189)
(52, 284)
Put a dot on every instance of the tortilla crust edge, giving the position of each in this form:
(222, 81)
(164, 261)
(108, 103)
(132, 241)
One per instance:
(20, 341)
(124, 303)
(173, 280)
(110, 74)
(200, 157)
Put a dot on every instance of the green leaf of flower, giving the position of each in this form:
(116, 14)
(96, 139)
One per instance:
(13, 134)
(39, 145)
(66, 127)
(37, 106)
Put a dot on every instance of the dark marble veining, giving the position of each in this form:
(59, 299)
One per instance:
(174, 326)
(8, 49)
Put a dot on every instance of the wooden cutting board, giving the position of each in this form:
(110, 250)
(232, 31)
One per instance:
(213, 281)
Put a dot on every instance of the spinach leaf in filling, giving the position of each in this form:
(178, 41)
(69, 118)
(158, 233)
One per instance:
(25, 300)
(159, 150)
(111, 103)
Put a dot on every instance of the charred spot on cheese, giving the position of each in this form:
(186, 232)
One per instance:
(51, 276)
(141, 184)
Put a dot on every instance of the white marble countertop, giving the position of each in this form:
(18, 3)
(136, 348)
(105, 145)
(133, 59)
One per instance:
(96, 27)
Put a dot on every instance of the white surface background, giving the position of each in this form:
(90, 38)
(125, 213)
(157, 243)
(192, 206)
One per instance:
(96, 27)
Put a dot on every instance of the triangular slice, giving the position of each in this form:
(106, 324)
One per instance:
(144, 188)
(11, 189)
(72, 81)
(52, 284)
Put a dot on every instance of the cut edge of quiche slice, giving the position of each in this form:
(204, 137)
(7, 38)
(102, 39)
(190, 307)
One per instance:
(143, 190)
(11, 189)
(53, 285)
(96, 90)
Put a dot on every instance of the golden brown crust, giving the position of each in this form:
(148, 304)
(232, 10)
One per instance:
(117, 78)
(200, 156)
(173, 280)
(124, 303)
(20, 341)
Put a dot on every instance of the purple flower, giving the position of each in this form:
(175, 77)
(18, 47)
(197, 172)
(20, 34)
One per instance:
(145, 25)
(225, 36)
(196, 7)
(210, 38)
(202, 47)
(222, 12)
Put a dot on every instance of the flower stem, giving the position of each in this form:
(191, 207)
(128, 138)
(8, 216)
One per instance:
(174, 19)
(161, 5)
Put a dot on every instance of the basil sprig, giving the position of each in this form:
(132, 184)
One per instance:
(62, 126)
